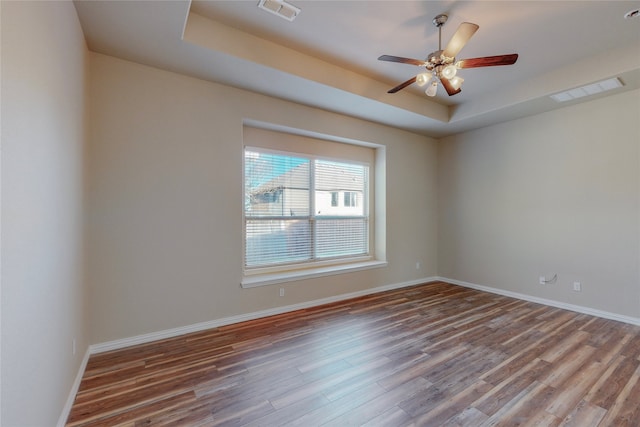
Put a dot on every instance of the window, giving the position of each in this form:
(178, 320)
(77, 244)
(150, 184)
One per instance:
(292, 217)
(334, 198)
(295, 221)
(350, 199)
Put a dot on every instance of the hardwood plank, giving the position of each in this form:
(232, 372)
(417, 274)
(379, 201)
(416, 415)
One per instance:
(584, 414)
(469, 417)
(625, 412)
(607, 388)
(611, 347)
(382, 403)
(456, 404)
(392, 417)
(378, 369)
(541, 419)
(417, 368)
(336, 408)
(496, 398)
(570, 392)
(567, 366)
(564, 346)
(103, 418)
(522, 407)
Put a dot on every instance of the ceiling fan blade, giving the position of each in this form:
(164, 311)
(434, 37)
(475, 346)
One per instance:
(403, 85)
(402, 60)
(448, 87)
(488, 61)
(460, 38)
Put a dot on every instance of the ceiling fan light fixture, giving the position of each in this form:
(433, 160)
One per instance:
(449, 71)
(432, 89)
(423, 79)
(456, 82)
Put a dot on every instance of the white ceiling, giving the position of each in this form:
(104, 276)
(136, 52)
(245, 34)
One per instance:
(327, 57)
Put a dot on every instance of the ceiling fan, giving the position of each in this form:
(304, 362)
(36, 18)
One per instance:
(442, 65)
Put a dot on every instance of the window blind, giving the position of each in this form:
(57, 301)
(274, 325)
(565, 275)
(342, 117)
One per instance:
(301, 209)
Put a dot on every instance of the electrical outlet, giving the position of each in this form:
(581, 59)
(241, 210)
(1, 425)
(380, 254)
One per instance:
(417, 265)
(542, 280)
(577, 286)
(281, 292)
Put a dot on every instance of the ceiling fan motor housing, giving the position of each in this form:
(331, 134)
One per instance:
(436, 59)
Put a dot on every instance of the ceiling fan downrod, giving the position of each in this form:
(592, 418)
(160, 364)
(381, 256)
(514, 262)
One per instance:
(439, 21)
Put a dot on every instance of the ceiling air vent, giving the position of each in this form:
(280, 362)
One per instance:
(281, 8)
(592, 89)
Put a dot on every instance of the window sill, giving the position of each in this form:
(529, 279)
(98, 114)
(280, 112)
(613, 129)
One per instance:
(290, 276)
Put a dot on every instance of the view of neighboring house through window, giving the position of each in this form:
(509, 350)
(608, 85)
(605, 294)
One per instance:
(300, 209)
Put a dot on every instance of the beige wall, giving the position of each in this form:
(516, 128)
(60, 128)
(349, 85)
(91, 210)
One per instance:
(44, 69)
(165, 201)
(554, 193)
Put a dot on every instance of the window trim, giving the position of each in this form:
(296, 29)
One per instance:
(263, 279)
(377, 202)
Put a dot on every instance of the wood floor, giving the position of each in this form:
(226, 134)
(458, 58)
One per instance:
(430, 355)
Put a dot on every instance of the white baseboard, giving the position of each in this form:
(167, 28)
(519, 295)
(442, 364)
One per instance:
(74, 390)
(572, 307)
(174, 332)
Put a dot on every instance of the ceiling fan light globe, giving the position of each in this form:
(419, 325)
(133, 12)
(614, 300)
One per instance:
(432, 89)
(423, 79)
(449, 71)
(456, 82)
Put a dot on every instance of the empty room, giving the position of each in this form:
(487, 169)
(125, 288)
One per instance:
(306, 213)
